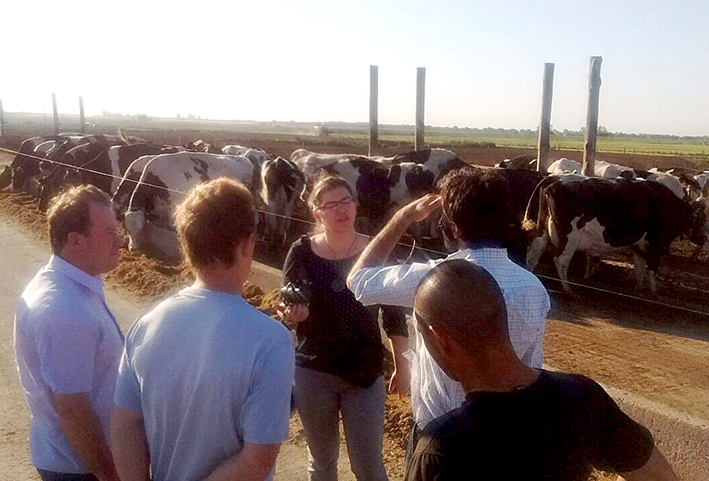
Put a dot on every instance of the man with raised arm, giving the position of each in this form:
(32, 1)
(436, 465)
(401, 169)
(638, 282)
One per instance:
(67, 342)
(204, 386)
(476, 220)
(517, 422)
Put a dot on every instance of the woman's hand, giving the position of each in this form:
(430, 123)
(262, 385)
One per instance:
(293, 312)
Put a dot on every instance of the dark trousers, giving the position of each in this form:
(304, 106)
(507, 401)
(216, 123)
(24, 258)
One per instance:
(52, 476)
(414, 436)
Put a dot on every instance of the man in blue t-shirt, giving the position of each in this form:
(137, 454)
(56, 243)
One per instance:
(204, 385)
(517, 422)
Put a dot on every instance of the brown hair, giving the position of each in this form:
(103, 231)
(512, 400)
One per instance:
(70, 212)
(478, 202)
(325, 182)
(213, 220)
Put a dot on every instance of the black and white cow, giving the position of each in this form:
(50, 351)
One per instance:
(602, 169)
(311, 162)
(77, 156)
(164, 182)
(437, 161)
(131, 177)
(256, 155)
(26, 163)
(668, 180)
(281, 185)
(576, 213)
(381, 189)
(202, 146)
(107, 169)
(519, 162)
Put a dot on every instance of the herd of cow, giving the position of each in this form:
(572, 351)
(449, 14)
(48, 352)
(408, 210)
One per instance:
(618, 208)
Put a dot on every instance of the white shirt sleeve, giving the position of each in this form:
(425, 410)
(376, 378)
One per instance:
(389, 286)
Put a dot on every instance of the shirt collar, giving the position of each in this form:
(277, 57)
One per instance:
(94, 283)
(481, 254)
(192, 291)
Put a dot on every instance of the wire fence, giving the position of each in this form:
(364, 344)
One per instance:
(413, 247)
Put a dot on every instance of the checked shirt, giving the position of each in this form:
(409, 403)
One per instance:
(433, 393)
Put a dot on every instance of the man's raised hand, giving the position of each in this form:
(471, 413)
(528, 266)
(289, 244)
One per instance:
(420, 209)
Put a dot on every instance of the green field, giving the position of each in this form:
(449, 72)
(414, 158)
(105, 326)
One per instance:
(348, 133)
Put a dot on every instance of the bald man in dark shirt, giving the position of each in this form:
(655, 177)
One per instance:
(517, 422)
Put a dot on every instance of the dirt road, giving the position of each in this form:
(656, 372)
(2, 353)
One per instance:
(660, 376)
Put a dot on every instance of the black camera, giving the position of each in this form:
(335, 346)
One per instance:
(296, 293)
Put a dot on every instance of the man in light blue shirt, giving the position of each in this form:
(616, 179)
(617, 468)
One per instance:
(67, 342)
(476, 220)
(204, 385)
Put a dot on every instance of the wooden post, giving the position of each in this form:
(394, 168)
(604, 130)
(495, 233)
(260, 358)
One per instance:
(3, 127)
(373, 109)
(544, 145)
(56, 114)
(420, 100)
(82, 120)
(594, 88)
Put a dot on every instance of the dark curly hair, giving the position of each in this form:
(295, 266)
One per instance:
(479, 202)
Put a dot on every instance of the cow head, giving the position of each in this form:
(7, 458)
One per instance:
(53, 183)
(134, 222)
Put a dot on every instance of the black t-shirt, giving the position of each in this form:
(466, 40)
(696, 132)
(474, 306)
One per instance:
(340, 336)
(559, 428)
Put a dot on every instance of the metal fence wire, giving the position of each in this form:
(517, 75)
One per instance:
(412, 247)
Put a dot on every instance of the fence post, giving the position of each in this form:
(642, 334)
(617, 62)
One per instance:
(82, 122)
(544, 145)
(594, 87)
(3, 127)
(420, 100)
(373, 109)
(56, 114)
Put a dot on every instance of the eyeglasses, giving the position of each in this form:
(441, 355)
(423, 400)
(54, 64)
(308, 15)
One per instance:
(333, 205)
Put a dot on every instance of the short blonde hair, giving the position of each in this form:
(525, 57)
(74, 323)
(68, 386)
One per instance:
(70, 211)
(213, 220)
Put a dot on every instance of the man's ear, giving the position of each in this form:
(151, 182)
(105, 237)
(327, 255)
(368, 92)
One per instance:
(440, 337)
(246, 246)
(74, 239)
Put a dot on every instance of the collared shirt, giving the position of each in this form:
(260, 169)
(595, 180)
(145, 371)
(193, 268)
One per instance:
(208, 373)
(433, 393)
(66, 341)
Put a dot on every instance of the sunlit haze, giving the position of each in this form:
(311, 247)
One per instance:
(309, 60)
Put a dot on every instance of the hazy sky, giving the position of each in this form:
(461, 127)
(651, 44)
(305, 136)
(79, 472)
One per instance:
(309, 60)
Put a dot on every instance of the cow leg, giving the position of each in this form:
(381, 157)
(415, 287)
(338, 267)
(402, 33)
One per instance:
(652, 279)
(654, 255)
(562, 262)
(536, 249)
(591, 265)
(640, 270)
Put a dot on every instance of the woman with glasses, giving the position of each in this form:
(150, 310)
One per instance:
(339, 351)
